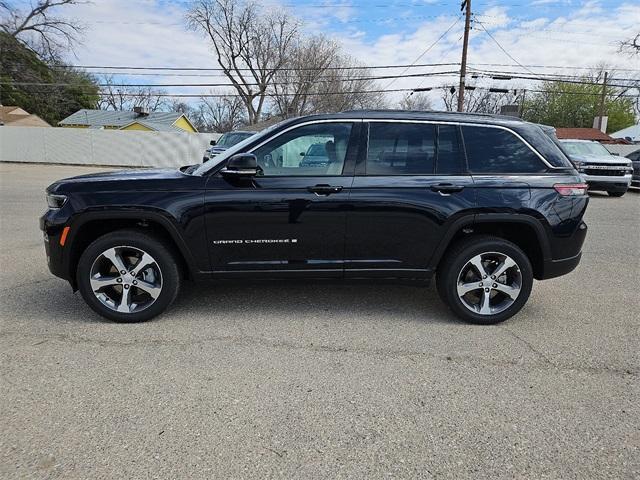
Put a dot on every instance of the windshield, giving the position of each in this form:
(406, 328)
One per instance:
(238, 147)
(584, 148)
(231, 138)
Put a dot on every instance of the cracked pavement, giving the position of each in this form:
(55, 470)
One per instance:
(281, 380)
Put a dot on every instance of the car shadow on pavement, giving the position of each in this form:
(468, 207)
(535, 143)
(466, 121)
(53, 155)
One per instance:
(313, 298)
(403, 303)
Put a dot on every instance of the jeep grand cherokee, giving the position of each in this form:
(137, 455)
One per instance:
(483, 203)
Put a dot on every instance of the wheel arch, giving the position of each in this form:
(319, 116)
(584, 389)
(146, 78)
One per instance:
(88, 227)
(525, 231)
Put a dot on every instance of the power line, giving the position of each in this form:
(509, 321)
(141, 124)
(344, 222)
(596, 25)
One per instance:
(363, 67)
(502, 48)
(426, 51)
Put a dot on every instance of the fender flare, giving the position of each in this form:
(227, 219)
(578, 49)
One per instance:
(78, 221)
(474, 219)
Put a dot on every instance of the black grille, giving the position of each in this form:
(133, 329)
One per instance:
(606, 173)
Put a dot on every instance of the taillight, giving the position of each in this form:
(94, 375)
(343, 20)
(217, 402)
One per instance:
(571, 189)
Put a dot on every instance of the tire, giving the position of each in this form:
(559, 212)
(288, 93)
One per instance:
(616, 194)
(458, 273)
(149, 292)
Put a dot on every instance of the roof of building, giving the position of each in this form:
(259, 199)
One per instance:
(17, 117)
(159, 121)
(631, 133)
(584, 134)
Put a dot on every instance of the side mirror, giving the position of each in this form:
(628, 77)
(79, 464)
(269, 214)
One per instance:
(241, 165)
(302, 154)
(212, 143)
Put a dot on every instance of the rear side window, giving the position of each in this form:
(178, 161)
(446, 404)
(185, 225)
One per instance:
(401, 149)
(493, 150)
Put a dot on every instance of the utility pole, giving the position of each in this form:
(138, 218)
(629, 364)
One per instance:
(603, 99)
(465, 45)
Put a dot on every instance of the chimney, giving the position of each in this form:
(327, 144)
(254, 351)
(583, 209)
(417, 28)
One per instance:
(600, 123)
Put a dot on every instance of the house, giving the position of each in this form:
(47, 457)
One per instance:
(17, 117)
(138, 119)
(631, 133)
(587, 134)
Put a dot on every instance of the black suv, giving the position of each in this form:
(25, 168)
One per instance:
(485, 203)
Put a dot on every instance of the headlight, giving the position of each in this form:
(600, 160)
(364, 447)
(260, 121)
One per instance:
(579, 165)
(56, 201)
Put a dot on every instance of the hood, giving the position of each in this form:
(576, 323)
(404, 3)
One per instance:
(610, 159)
(143, 179)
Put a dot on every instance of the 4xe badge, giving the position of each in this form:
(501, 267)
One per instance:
(255, 241)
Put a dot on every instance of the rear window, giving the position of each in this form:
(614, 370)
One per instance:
(493, 150)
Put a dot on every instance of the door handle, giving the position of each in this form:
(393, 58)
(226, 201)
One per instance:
(325, 189)
(447, 188)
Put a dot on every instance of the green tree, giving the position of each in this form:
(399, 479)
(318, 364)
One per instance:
(19, 64)
(563, 104)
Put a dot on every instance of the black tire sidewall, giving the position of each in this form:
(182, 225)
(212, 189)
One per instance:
(165, 259)
(447, 286)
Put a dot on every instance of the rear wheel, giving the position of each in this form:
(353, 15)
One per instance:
(128, 276)
(485, 279)
(616, 194)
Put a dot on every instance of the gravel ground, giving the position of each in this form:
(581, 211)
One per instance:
(315, 380)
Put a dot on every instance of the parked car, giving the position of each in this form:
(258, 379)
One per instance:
(316, 155)
(635, 161)
(601, 170)
(483, 203)
(227, 140)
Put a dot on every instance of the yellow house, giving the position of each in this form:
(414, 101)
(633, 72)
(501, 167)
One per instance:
(135, 120)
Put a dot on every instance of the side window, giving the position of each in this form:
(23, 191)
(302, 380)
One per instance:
(450, 159)
(401, 149)
(492, 150)
(317, 149)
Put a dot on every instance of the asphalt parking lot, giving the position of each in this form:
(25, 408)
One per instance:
(318, 380)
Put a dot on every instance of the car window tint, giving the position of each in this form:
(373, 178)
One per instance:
(401, 149)
(317, 149)
(492, 150)
(450, 158)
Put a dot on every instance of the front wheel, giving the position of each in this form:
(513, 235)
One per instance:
(128, 276)
(485, 280)
(616, 194)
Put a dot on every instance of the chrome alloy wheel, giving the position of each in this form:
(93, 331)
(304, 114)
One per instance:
(126, 279)
(489, 283)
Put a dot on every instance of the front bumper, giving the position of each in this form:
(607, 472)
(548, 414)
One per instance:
(52, 232)
(608, 183)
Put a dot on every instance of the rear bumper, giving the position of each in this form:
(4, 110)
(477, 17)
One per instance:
(557, 268)
(569, 255)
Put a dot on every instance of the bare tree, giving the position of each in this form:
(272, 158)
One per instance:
(630, 46)
(250, 45)
(318, 78)
(39, 29)
(113, 97)
(220, 114)
(481, 100)
(415, 101)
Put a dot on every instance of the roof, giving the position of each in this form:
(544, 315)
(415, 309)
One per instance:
(631, 133)
(161, 121)
(584, 134)
(17, 117)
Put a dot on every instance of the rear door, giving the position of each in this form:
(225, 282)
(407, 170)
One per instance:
(410, 185)
(290, 220)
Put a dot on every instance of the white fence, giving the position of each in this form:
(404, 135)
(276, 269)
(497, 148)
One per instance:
(78, 146)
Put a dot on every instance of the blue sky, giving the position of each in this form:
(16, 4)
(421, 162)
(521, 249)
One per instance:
(557, 33)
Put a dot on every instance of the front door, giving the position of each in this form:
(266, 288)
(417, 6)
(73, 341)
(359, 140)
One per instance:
(410, 185)
(290, 219)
